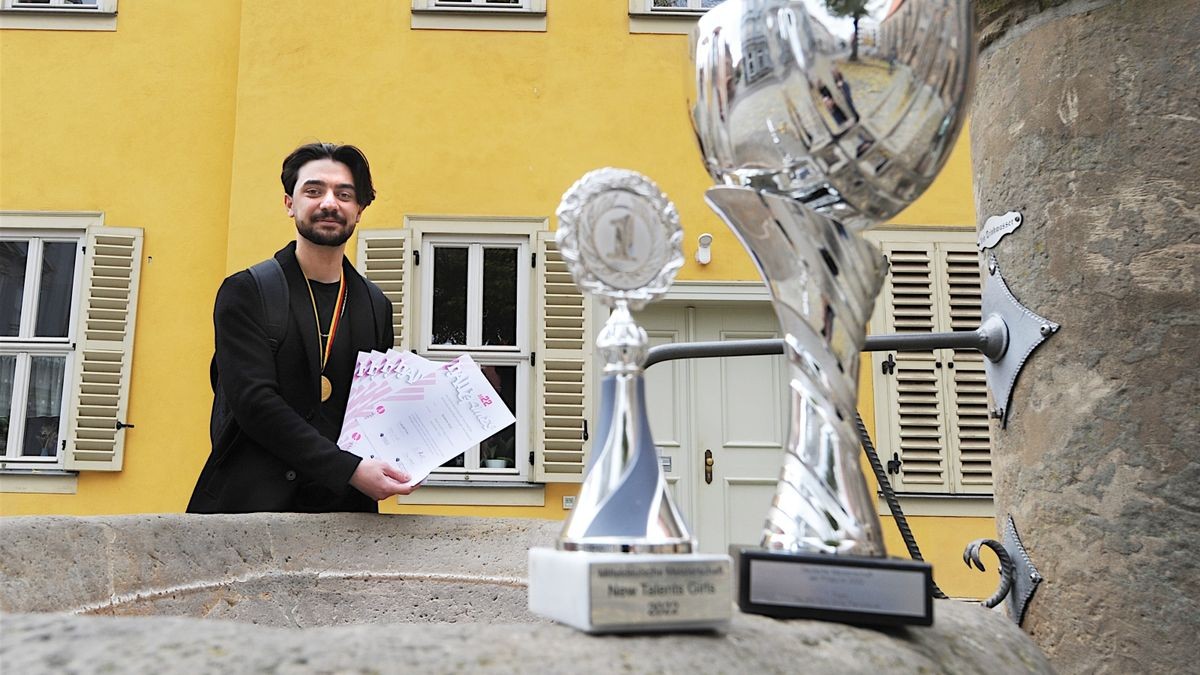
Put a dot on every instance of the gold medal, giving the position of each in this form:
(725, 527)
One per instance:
(326, 388)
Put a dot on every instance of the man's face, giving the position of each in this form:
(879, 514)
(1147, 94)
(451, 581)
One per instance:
(324, 204)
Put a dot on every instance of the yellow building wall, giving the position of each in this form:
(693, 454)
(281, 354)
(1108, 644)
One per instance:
(137, 123)
(178, 121)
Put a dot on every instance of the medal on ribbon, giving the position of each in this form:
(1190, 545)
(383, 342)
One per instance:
(334, 322)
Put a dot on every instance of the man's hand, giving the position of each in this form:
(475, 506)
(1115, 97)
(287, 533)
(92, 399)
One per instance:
(378, 480)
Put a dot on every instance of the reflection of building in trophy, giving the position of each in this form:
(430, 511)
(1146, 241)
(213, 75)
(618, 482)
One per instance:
(622, 241)
(756, 52)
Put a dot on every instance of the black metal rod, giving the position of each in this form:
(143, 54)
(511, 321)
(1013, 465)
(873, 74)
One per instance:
(917, 342)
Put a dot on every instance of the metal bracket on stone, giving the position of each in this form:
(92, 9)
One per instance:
(1025, 331)
(1025, 577)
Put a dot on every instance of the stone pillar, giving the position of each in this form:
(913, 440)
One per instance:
(1087, 120)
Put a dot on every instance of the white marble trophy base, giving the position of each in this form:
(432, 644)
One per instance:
(631, 592)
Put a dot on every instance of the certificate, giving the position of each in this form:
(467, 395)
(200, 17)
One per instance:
(427, 419)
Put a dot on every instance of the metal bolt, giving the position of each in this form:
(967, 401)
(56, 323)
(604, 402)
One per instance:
(992, 265)
(1046, 329)
(996, 413)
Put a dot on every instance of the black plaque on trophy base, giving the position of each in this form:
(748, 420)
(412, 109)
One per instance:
(847, 589)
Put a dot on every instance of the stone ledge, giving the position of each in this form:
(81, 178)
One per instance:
(433, 613)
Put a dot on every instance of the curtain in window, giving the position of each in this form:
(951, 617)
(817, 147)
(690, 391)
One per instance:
(8, 369)
(44, 408)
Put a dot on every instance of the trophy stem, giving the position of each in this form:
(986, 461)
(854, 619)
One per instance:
(823, 282)
(624, 504)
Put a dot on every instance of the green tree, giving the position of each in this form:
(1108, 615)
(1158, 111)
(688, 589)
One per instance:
(855, 9)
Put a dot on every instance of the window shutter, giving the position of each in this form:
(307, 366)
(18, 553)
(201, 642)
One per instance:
(562, 373)
(912, 425)
(931, 410)
(100, 383)
(966, 388)
(385, 257)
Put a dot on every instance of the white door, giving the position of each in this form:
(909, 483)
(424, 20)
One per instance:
(732, 410)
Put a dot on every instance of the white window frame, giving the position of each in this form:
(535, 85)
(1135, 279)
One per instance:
(24, 15)
(644, 17)
(529, 15)
(484, 355)
(25, 346)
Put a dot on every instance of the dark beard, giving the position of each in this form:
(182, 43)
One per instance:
(310, 232)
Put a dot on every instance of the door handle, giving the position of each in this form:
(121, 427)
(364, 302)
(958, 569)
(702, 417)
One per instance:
(708, 465)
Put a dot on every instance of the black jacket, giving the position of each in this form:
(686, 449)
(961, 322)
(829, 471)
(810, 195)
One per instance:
(273, 440)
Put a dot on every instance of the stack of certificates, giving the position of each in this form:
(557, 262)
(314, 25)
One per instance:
(416, 413)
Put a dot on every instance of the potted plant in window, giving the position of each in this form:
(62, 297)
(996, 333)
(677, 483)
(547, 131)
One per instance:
(497, 453)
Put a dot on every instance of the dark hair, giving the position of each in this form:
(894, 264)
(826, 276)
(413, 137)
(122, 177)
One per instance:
(349, 155)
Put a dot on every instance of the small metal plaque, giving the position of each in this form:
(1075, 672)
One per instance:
(674, 592)
(996, 227)
(849, 589)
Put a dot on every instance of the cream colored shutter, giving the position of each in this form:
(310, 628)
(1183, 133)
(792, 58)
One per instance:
(562, 373)
(912, 425)
(965, 388)
(386, 258)
(104, 354)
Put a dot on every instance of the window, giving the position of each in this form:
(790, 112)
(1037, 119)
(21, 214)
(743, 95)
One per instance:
(667, 16)
(696, 6)
(482, 4)
(475, 300)
(512, 15)
(495, 289)
(39, 276)
(59, 14)
(68, 298)
(931, 407)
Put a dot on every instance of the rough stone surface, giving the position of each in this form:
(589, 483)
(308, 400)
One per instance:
(355, 593)
(1087, 120)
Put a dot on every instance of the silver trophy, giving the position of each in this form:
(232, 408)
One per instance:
(625, 560)
(820, 126)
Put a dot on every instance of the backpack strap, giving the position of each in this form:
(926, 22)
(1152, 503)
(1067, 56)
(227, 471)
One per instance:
(273, 293)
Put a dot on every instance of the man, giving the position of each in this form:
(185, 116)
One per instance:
(279, 400)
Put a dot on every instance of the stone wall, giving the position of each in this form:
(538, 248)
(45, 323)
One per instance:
(1087, 120)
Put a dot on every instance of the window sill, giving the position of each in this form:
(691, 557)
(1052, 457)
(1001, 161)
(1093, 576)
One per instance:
(38, 481)
(971, 506)
(663, 23)
(57, 19)
(476, 493)
(467, 19)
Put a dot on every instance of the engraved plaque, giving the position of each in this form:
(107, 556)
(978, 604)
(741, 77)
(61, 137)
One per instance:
(675, 591)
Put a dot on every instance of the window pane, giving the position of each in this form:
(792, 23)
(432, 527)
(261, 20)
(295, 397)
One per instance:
(13, 256)
(449, 296)
(58, 284)
(8, 370)
(43, 409)
(500, 296)
(501, 447)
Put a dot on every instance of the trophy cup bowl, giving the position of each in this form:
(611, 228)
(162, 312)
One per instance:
(854, 116)
(625, 560)
(818, 127)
